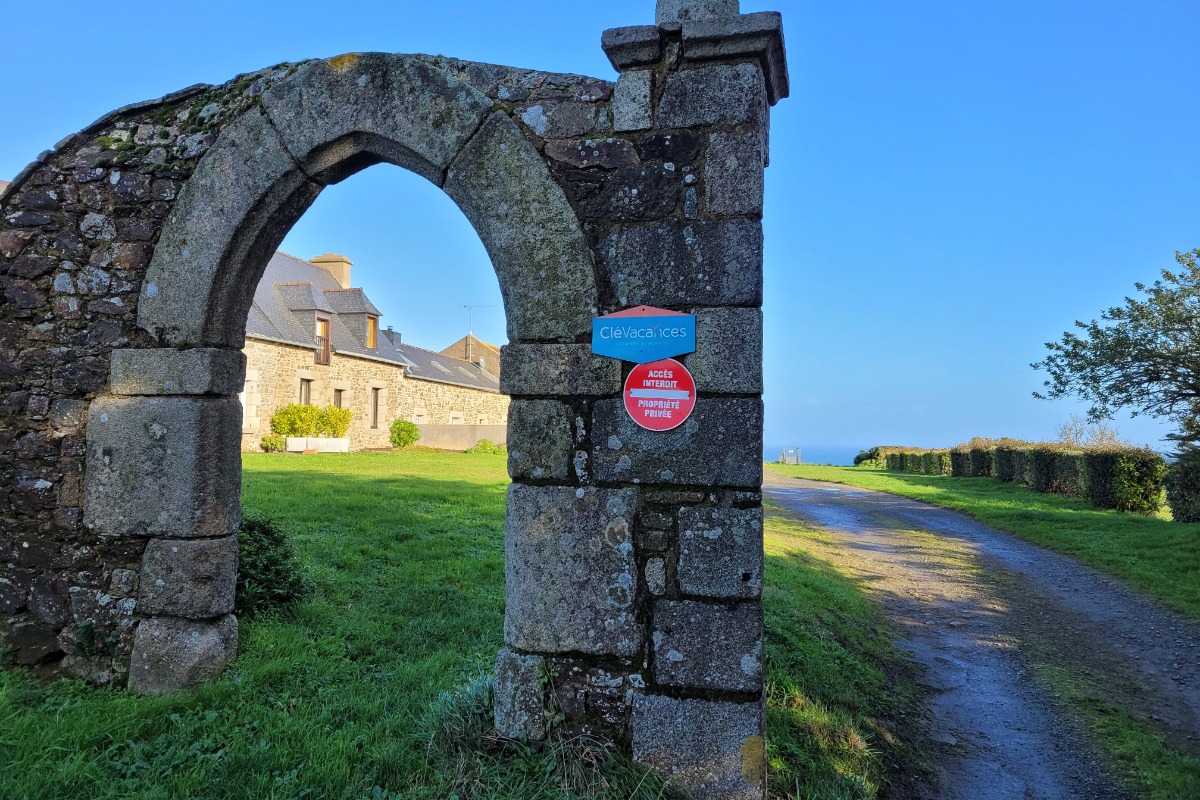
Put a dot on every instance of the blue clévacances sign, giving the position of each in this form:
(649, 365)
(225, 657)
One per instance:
(644, 334)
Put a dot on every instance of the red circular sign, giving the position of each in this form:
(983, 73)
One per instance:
(660, 395)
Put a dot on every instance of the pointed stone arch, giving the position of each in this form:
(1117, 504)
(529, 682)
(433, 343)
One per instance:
(321, 124)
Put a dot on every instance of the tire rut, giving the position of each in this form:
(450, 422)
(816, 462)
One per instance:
(977, 608)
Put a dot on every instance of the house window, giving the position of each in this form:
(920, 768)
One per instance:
(375, 407)
(324, 348)
(482, 421)
(338, 398)
(456, 418)
(372, 331)
(305, 391)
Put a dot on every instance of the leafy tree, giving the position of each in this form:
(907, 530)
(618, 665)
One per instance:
(1080, 432)
(1143, 356)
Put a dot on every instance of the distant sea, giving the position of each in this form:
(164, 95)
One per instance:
(838, 455)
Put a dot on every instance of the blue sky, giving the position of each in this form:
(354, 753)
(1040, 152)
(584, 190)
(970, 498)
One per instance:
(951, 185)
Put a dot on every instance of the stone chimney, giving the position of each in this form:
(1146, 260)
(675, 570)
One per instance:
(335, 265)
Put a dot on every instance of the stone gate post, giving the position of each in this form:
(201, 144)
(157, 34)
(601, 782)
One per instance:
(634, 558)
(163, 464)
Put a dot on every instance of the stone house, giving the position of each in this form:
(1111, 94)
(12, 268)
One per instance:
(312, 338)
(478, 352)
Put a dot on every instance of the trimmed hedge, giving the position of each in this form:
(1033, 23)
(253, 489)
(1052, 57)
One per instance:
(1183, 489)
(1119, 477)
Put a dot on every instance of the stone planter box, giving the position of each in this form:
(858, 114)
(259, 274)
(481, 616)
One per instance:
(322, 444)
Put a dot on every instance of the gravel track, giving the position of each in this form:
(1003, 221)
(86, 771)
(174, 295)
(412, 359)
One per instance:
(975, 606)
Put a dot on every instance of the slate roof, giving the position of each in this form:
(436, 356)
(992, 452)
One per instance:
(290, 292)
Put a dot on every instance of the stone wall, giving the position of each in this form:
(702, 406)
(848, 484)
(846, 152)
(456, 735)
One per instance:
(274, 371)
(433, 403)
(130, 253)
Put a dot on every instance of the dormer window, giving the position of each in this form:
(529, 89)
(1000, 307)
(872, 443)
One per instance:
(324, 346)
(372, 331)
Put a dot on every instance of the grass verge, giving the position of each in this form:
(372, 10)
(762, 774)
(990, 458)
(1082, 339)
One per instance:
(371, 685)
(1159, 557)
(841, 698)
(1107, 701)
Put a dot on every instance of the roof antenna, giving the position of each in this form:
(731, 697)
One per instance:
(471, 329)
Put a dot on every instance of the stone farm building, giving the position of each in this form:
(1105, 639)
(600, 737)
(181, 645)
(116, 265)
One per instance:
(311, 338)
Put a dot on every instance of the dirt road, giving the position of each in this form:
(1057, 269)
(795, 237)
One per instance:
(978, 609)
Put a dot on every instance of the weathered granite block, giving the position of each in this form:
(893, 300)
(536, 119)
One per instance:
(558, 119)
(519, 695)
(172, 654)
(712, 263)
(632, 46)
(733, 174)
(195, 579)
(543, 263)
(32, 642)
(671, 14)
(720, 94)
(330, 108)
(570, 569)
(540, 441)
(246, 170)
(631, 101)
(163, 466)
(729, 351)
(560, 370)
(703, 646)
(164, 371)
(67, 415)
(656, 576)
(643, 192)
(718, 445)
(713, 750)
(607, 153)
(721, 551)
(758, 35)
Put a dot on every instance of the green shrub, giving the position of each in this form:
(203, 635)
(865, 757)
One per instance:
(1040, 465)
(269, 572)
(336, 421)
(1002, 462)
(301, 419)
(273, 443)
(980, 461)
(404, 433)
(960, 463)
(1124, 478)
(297, 419)
(1069, 475)
(1020, 460)
(1139, 481)
(488, 447)
(1183, 488)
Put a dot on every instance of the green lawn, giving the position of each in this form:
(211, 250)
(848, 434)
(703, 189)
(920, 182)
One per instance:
(372, 687)
(1159, 557)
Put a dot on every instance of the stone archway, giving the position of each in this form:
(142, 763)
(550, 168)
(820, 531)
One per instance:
(633, 559)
